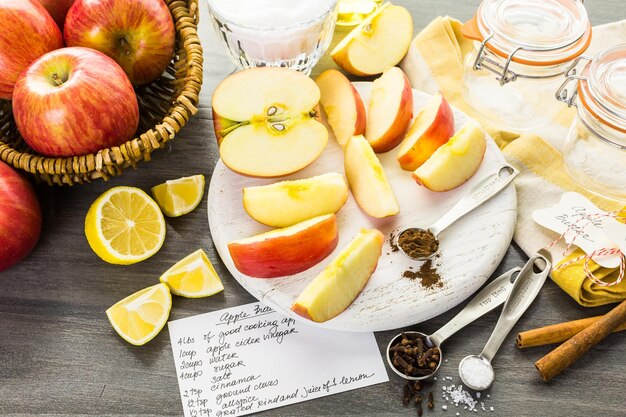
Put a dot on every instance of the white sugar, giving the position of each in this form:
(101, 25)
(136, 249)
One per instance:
(270, 13)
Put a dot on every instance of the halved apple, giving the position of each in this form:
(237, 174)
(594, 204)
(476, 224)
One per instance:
(378, 43)
(265, 120)
(286, 203)
(367, 179)
(390, 110)
(432, 127)
(286, 251)
(454, 162)
(343, 105)
(340, 283)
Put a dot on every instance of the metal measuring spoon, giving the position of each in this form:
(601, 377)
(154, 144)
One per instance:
(488, 187)
(475, 370)
(490, 297)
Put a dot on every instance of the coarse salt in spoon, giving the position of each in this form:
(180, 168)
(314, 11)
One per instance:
(475, 370)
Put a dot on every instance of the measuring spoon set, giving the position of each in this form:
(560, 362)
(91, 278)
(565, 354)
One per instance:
(516, 289)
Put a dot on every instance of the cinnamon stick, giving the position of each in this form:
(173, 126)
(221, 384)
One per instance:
(557, 333)
(566, 354)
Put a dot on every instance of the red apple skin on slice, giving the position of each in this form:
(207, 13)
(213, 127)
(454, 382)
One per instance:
(432, 127)
(390, 110)
(342, 104)
(286, 251)
(455, 162)
(341, 282)
(378, 44)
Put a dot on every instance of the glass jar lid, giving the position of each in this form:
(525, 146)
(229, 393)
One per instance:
(602, 87)
(533, 32)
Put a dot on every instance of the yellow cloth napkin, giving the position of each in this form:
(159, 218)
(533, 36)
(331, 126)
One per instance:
(435, 63)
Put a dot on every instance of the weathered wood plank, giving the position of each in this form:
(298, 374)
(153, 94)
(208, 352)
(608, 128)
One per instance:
(58, 354)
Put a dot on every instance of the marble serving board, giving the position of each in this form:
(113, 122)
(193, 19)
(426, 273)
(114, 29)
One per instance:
(470, 249)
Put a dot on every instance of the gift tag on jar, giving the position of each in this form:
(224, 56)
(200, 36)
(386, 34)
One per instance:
(584, 225)
(617, 235)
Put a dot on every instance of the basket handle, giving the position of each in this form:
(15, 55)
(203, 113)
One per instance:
(194, 11)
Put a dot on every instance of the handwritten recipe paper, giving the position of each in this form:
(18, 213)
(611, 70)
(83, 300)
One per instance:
(249, 358)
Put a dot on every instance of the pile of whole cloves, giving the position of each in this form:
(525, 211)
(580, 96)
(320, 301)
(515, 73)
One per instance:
(412, 391)
(411, 356)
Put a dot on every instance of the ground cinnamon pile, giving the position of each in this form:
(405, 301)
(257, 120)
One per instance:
(392, 243)
(427, 274)
(418, 243)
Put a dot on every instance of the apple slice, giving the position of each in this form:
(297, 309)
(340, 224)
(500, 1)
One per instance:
(343, 105)
(286, 251)
(455, 162)
(378, 43)
(340, 283)
(367, 180)
(265, 121)
(432, 127)
(286, 203)
(390, 110)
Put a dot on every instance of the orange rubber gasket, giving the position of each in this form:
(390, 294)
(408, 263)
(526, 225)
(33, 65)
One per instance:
(471, 30)
(583, 101)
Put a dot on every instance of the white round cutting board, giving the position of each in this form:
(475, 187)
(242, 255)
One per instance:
(470, 249)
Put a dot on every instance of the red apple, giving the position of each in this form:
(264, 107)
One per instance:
(432, 127)
(74, 101)
(286, 251)
(138, 34)
(27, 33)
(390, 110)
(20, 217)
(57, 9)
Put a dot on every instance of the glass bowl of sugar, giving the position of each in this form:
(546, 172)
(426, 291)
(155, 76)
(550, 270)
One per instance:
(278, 33)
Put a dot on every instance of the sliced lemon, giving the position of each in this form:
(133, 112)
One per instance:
(139, 317)
(178, 197)
(125, 226)
(193, 277)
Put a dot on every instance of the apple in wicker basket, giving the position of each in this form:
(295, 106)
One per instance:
(74, 101)
(20, 217)
(57, 9)
(27, 33)
(138, 34)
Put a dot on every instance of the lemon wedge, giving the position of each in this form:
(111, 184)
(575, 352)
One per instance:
(193, 277)
(139, 317)
(124, 226)
(180, 196)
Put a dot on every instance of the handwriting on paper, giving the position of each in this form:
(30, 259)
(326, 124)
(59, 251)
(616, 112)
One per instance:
(249, 358)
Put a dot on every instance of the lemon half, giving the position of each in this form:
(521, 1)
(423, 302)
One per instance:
(125, 226)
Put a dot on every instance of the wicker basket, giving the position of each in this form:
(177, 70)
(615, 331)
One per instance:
(165, 106)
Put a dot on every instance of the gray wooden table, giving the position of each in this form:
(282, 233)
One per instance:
(59, 355)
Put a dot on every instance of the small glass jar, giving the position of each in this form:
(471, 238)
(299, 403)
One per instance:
(521, 50)
(595, 151)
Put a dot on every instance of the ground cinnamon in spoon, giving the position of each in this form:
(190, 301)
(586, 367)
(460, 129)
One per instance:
(418, 243)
